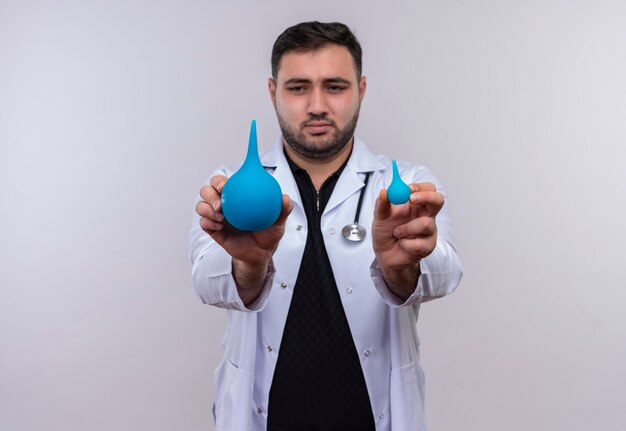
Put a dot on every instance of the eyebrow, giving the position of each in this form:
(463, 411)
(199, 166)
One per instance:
(335, 80)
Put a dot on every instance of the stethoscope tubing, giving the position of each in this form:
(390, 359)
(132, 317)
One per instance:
(361, 195)
(354, 231)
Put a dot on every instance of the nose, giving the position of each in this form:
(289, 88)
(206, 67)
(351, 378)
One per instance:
(317, 102)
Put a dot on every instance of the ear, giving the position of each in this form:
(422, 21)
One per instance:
(271, 86)
(362, 87)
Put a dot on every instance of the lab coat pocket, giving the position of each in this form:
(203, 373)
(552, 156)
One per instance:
(407, 398)
(233, 402)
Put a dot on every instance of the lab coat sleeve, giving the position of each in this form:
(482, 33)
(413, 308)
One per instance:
(441, 271)
(211, 272)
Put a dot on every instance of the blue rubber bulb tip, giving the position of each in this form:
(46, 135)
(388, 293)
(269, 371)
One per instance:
(251, 198)
(398, 192)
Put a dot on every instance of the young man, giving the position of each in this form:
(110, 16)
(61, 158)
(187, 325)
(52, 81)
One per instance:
(322, 330)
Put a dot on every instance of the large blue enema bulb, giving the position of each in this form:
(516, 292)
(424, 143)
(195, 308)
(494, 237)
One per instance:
(251, 198)
(398, 192)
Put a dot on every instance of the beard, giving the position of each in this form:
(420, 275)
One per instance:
(322, 147)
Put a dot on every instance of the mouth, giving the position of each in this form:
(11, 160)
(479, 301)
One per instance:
(317, 127)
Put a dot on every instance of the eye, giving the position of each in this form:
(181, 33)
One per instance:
(296, 89)
(336, 88)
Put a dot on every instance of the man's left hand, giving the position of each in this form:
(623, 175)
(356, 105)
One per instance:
(402, 235)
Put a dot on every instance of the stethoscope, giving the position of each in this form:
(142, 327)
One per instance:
(356, 232)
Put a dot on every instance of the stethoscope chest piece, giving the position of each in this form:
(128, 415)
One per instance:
(353, 232)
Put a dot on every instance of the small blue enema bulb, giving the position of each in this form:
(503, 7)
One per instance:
(398, 192)
(251, 198)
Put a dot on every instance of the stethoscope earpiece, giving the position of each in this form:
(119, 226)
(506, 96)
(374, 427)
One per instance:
(355, 232)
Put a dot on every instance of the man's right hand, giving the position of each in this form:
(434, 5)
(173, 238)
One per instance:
(251, 251)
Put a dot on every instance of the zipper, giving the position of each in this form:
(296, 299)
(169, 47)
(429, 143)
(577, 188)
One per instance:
(318, 201)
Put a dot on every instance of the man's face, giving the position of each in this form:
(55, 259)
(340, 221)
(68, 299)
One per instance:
(317, 99)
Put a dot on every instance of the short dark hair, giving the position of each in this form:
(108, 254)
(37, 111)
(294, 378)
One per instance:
(309, 36)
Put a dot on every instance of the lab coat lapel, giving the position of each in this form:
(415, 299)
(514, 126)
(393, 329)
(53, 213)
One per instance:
(349, 183)
(351, 180)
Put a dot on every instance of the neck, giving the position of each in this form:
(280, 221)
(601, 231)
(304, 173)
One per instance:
(320, 169)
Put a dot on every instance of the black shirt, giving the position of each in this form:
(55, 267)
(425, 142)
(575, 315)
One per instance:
(318, 382)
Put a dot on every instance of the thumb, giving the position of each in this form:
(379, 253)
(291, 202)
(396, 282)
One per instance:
(285, 211)
(382, 210)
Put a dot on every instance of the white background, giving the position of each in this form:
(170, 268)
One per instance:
(112, 113)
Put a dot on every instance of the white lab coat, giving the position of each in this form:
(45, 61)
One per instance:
(383, 328)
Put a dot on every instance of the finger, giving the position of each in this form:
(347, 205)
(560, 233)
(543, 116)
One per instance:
(382, 209)
(430, 201)
(287, 207)
(420, 247)
(212, 197)
(212, 193)
(210, 226)
(215, 230)
(217, 182)
(208, 193)
(204, 209)
(422, 187)
(416, 228)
